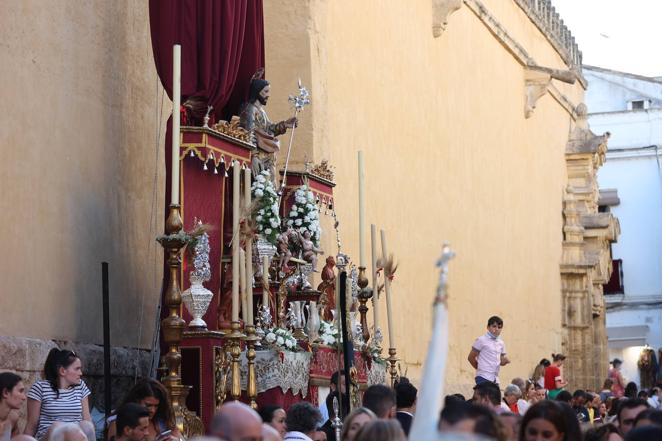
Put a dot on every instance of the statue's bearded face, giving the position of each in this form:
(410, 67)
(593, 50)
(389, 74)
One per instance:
(263, 97)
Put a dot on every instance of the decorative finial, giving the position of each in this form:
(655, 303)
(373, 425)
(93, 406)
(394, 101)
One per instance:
(301, 100)
(446, 255)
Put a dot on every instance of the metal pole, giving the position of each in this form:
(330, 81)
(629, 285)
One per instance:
(348, 349)
(106, 339)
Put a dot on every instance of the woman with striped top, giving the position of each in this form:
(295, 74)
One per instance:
(62, 396)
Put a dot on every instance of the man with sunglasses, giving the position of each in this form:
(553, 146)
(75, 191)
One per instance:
(488, 353)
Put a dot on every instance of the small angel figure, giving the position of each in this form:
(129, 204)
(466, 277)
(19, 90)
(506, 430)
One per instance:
(309, 250)
(284, 249)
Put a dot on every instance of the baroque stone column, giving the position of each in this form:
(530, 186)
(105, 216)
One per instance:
(586, 263)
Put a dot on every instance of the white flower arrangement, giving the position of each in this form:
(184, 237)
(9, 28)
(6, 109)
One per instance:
(328, 334)
(304, 214)
(281, 339)
(267, 219)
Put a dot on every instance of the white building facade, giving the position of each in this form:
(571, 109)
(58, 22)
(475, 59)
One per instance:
(630, 108)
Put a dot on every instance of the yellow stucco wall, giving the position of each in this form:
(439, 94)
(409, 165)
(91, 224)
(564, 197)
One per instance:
(80, 175)
(449, 157)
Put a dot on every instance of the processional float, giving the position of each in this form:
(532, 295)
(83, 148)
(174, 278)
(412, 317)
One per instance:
(233, 235)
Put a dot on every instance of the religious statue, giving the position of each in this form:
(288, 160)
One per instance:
(309, 251)
(328, 289)
(264, 133)
(284, 248)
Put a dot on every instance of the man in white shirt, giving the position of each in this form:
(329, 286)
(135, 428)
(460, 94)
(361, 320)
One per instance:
(488, 353)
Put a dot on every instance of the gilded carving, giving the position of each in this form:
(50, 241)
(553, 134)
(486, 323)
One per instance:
(233, 129)
(221, 370)
(323, 170)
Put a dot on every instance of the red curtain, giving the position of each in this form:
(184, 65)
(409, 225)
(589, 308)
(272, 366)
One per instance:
(222, 47)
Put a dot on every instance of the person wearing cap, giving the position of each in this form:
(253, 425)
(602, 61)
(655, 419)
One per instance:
(618, 384)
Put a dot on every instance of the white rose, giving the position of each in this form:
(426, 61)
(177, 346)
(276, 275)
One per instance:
(267, 231)
(300, 209)
(260, 178)
(288, 343)
(259, 218)
(280, 341)
(261, 211)
(259, 193)
(290, 223)
(271, 337)
(297, 222)
(274, 223)
(293, 213)
(274, 208)
(294, 207)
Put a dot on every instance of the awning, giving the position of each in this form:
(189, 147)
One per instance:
(625, 336)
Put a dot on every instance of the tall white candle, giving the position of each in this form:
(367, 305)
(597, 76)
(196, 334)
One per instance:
(361, 211)
(265, 281)
(249, 250)
(375, 298)
(387, 288)
(242, 285)
(236, 203)
(176, 100)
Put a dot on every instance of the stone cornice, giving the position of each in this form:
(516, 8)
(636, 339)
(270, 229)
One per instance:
(538, 78)
(545, 17)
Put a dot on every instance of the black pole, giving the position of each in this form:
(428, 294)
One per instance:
(106, 339)
(347, 347)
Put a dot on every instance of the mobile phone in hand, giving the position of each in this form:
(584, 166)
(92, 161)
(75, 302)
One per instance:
(164, 435)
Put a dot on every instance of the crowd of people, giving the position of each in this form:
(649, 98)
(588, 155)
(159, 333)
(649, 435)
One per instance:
(538, 408)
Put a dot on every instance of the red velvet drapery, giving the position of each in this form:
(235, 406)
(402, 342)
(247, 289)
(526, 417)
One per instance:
(222, 47)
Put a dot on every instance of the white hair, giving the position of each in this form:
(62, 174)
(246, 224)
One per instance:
(512, 389)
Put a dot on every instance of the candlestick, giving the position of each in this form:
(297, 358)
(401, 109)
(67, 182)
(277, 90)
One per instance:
(251, 383)
(361, 211)
(176, 103)
(364, 295)
(375, 288)
(236, 202)
(242, 285)
(265, 282)
(249, 250)
(393, 360)
(387, 288)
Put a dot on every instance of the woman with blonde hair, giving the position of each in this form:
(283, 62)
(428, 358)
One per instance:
(358, 418)
(381, 430)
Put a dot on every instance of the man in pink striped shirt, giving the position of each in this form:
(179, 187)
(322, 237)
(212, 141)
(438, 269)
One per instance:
(488, 353)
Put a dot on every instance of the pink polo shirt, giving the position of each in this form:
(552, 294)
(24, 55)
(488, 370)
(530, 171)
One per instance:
(489, 357)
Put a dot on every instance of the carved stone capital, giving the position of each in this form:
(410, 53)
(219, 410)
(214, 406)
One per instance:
(535, 87)
(441, 10)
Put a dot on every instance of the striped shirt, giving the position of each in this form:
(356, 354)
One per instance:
(68, 408)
